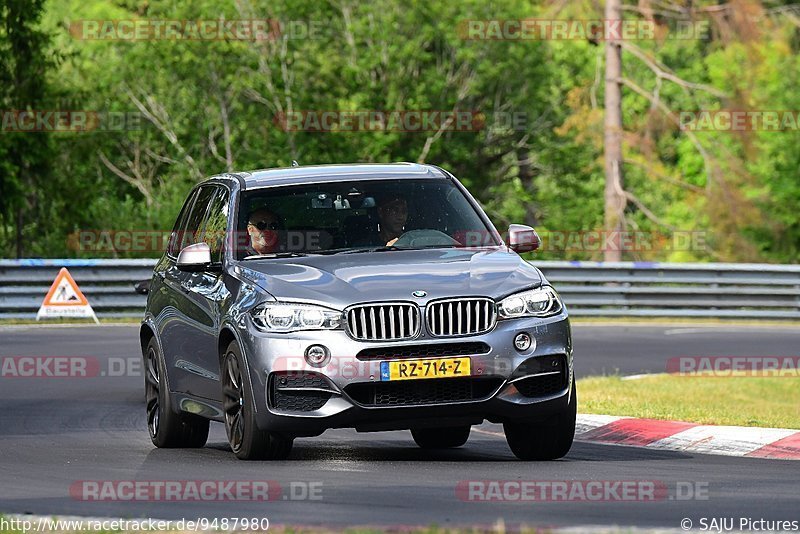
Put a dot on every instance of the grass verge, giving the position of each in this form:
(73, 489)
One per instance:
(699, 322)
(737, 400)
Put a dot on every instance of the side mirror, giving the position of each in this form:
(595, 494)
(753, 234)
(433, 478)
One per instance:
(143, 287)
(195, 258)
(522, 238)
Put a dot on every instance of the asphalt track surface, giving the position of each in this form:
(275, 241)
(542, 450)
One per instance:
(56, 432)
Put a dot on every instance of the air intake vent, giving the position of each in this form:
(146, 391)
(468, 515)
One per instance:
(430, 350)
(383, 322)
(460, 317)
(298, 391)
(419, 392)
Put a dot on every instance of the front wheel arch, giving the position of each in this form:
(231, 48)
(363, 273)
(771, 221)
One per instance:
(226, 337)
(145, 335)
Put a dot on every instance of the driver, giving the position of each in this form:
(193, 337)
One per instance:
(262, 227)
(392, 217)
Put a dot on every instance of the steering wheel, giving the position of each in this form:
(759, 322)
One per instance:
(424, 238)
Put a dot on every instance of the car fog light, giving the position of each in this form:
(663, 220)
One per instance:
(522, 341)
(317, 355)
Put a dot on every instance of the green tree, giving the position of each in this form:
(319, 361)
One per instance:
(25, 158)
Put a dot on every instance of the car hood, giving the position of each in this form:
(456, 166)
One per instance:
(343, 279)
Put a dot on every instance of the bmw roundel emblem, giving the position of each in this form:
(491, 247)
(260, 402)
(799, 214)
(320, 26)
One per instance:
(419, 294)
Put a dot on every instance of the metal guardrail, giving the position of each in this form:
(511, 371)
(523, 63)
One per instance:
(644, 289)
(107, 284)
(625, 289)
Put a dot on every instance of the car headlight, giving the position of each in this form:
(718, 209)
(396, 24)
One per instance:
(289, 317)
(540, 302)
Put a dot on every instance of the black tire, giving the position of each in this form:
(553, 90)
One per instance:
(441, 438)
(247, 441)
(168, 428)
(549, 440)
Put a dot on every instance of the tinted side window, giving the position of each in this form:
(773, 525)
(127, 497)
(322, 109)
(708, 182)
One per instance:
(174, 245)
(216, 223)
(189, 234)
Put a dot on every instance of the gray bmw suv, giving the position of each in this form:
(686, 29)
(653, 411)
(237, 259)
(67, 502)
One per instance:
(375, 297)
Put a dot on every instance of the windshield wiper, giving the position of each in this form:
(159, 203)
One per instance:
(276, 255)
(353, 250)
(383, 248)
(434, 246)
(334, 251)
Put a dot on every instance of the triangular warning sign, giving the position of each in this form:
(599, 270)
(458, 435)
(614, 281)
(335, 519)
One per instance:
(64, 291)
(65, 299)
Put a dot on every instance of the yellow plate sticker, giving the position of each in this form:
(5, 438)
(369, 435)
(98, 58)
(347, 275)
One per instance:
(434, 368)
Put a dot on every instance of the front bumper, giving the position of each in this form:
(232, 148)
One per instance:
(347, 392)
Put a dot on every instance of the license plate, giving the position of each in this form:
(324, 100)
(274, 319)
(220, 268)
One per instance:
(415, 369)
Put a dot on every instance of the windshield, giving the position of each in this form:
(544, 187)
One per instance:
(368, 215)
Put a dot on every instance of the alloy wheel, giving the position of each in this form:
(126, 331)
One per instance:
(152, 390)
(233, 401)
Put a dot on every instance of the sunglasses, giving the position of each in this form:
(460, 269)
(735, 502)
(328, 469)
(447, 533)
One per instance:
(263, 225)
